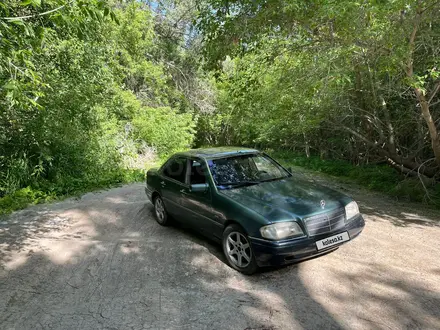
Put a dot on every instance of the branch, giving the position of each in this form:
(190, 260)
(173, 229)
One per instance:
(409, 65)
(421, 177)
(36, 15)
(360, 136)
(408, 171)
(183, 15)
(412, 38)
(404, 165)
(435, 103)
(401, 168)
(16, 67)
(429, 7)
(434, 92)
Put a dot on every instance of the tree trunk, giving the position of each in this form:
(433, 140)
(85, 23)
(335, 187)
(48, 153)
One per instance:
(307, 146)
(433, 133)
(403, 164)
(391, 142)
(424, 103)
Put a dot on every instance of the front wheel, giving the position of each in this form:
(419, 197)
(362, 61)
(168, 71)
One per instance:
(238, 250)
(160, 212)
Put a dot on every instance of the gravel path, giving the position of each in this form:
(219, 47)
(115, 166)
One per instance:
(102, 262)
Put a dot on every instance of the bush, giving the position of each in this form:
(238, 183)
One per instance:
(374, 177)
(165, 129)
(45, 191)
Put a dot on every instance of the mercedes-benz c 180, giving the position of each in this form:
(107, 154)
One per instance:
(262, 213)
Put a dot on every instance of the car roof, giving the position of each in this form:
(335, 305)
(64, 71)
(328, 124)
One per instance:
(218, 152)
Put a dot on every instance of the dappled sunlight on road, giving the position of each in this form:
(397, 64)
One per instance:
(12, 260)
(58, 233)
(418, 217)
(101, 262)
(390, 296)
(129, 247)
(59, 237)
(403, 219)
(382, 208)
(263, 304)
(372, 294)
(57, 251)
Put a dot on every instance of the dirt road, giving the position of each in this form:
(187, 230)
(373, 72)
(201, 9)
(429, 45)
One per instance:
(102, 262)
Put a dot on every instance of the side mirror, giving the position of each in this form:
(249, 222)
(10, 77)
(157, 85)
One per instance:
(199, 187)
(289, 169)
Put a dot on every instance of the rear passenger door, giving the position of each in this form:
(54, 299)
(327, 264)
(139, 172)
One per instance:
(173, 180)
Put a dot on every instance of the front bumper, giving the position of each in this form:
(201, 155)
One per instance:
(274, 253)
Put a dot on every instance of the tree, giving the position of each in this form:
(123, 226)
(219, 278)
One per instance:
(80, 83)
(363, 57)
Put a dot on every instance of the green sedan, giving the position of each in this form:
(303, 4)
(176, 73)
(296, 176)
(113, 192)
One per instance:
(261, 213)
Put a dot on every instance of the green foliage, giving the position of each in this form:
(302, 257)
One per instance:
(339, 79)
(84, 103)
(22, 198)
(167, 130)
(46, 191)
(380, 178)
(94, 92)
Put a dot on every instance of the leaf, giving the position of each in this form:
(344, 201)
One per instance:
(10, 85)
(34, 3)
(17, 22)
(98, 15)
(25, 2)
(114, 18)
(90, 12)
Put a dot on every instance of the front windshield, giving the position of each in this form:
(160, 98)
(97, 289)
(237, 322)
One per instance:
(245, 170)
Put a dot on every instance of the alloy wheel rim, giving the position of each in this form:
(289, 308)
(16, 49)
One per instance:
(238, 249)
(160, 210)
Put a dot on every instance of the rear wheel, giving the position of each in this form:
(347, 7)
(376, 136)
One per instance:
(238, 250)
(160, 212)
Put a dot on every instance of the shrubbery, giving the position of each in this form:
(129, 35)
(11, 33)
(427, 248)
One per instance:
(94, 92)
(86, 105)
(380, 178)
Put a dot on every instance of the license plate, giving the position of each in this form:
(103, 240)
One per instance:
(332, 240)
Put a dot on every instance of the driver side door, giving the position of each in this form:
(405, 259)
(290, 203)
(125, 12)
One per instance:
(198, 204)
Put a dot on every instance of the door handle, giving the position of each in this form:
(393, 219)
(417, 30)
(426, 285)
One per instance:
(183, 191)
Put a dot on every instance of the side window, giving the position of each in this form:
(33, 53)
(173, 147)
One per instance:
(197, 174)
(176, 169)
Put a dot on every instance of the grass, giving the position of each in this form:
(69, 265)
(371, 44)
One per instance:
(44, 191)
(381, 178)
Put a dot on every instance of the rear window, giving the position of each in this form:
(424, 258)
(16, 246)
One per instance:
(176, 169)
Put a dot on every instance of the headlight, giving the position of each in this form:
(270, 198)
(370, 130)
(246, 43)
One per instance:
(281, 230)
(351, 210)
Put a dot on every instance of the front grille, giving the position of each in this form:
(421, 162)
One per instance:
(325, 222)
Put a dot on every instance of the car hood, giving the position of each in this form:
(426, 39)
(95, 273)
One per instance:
(287, 199)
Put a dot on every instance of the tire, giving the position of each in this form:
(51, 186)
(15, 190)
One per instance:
(238, 250)
(160, 212)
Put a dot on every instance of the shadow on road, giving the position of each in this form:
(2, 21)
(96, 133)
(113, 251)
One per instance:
(103, 262)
